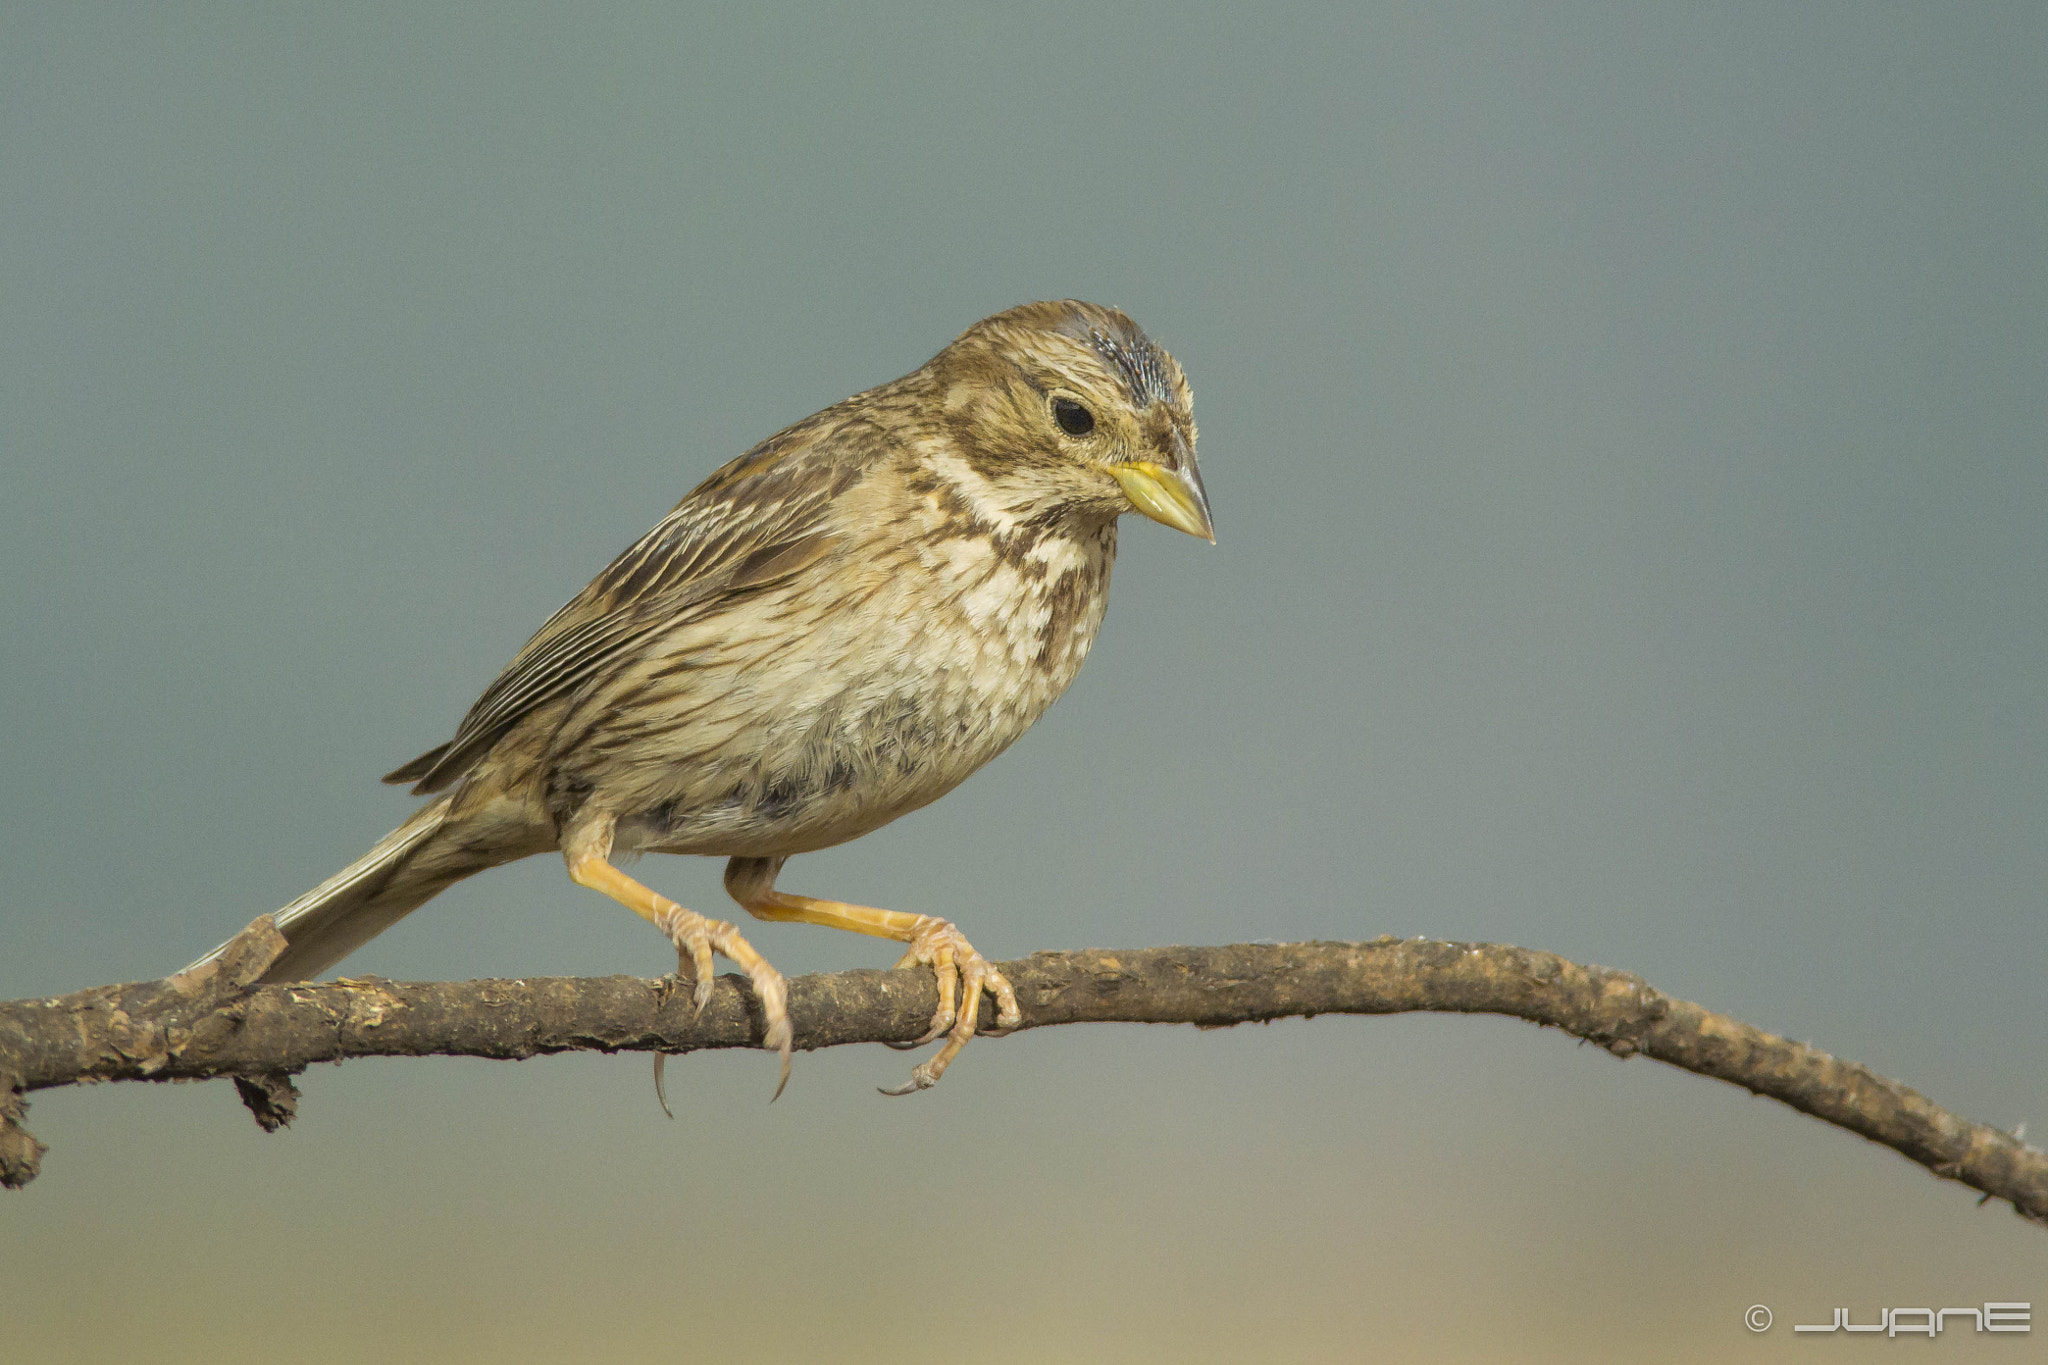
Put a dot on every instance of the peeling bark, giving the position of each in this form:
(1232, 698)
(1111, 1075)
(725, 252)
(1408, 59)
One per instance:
(213, 1022)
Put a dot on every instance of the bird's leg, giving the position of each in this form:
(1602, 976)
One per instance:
(696, 937)
(934, 943)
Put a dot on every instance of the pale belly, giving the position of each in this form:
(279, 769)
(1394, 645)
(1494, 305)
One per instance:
(874, 715)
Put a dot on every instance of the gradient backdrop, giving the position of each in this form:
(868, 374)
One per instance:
(1625, 427)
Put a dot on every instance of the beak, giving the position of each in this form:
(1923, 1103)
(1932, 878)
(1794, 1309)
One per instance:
(1172, 497)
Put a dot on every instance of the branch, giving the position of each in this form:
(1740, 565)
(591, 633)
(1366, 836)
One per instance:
(213, 1022)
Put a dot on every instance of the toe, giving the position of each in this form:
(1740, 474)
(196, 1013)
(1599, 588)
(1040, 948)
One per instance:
(702, 968)
(1008, 1016)
(700, 937)
(963, 976)
(934, 948)
(777, 1033)
(692, 937)
(948, 973)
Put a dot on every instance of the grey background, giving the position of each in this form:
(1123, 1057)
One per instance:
(1625, 427)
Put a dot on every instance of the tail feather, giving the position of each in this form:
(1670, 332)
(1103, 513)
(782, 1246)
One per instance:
(365, 898)
(418, 768)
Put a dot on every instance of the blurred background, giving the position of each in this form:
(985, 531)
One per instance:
(1625, 428)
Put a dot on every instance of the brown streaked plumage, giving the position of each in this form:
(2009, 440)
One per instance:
(831, 631)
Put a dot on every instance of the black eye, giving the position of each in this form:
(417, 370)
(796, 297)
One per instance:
(1074, 419)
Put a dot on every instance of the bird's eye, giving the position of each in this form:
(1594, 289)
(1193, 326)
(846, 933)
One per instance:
(1074, 419)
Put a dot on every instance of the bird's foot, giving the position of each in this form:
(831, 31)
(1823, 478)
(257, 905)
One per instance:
(696, 937)
(935, 943)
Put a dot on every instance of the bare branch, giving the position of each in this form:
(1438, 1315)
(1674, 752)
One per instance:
(213, 1023)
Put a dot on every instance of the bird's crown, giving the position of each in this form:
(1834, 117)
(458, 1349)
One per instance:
(1118, 347)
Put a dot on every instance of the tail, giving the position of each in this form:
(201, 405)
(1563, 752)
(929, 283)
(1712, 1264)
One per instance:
(407, 868)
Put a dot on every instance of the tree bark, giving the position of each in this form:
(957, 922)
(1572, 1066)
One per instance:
(213, 1022)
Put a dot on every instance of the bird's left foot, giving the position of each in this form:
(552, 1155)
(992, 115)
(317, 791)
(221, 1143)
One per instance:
(935, 943)
(964, 975)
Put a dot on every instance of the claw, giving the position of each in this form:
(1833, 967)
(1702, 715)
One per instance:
(660, 1095)
(941, 1022)
(773, 992)
(921, 1078)
(780, 1037)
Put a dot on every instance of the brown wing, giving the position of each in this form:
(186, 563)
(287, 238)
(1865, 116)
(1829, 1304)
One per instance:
(754, 522)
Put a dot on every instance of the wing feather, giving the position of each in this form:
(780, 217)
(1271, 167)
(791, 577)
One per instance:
(758, 520)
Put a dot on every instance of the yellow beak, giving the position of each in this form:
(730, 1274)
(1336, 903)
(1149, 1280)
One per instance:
(1172, 497)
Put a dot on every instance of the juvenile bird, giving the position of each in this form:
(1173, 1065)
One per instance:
(831, 631)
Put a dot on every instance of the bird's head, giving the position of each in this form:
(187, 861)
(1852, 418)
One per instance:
(1068, 407)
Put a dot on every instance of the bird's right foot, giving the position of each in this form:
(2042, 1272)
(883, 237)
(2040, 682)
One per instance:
(696, 938)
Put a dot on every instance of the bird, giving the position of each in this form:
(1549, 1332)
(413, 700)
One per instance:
(829, 632)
